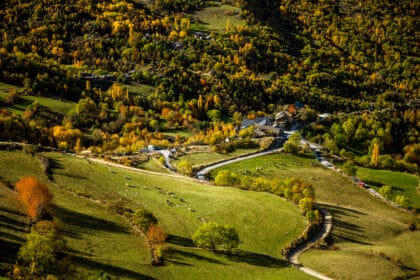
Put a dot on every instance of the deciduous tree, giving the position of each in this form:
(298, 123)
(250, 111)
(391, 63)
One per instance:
(39, 253)
(211, 235)
(156, 236)
(34, 195)
(375, 154)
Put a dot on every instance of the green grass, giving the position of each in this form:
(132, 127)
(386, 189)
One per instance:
(362, 223)
(154, 165)
(86, 194)
(143, 90)
(54, 105)
(364, 261)
(12, 228)
(183, 133)
(4, 87)
(214, 18)
(197, 159)
(404, 183)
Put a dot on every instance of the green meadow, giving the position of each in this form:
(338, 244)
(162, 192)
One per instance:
(53, 104)
(371, 239)
(402, 183)
(198, 159)
(216, 18)
(87, 196)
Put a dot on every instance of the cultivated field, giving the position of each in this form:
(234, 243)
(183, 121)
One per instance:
(88, 194)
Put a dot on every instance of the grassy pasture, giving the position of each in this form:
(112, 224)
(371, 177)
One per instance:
(214, 18)
(143, 90)
(13, 226)
(363, 225)
(206, 158)
(4, 87)
(403, 183)
(154, 165)
(87, 194)
(183, 133)
(53, 104)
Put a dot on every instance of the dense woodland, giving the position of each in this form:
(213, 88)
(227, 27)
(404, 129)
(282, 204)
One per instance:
(341, 56)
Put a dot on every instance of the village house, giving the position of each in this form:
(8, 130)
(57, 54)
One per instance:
(268, 125)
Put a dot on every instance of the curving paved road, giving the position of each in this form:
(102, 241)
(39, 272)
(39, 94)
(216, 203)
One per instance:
(201, 175)
(278, 145)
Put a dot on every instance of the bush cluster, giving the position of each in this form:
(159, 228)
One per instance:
(310, 230)
(296, 190)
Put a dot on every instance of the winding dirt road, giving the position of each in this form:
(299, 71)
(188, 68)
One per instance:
(293, 257)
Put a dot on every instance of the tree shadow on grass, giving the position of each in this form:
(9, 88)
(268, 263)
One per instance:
(353, 240)
(347, 226)
(178, 257)
(379, 185)
(58, 169)
(84, 223)
(55, 164)
(109, 268)
(5, 235)
(10, 241)
(337, 210)
(8, 254)
(18, 225)
(14, 212)
(373, 183)
(70, 175)
(254, 259)
(345, 230)
(179, 240)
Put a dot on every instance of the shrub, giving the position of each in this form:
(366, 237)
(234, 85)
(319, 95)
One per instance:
(401, 200)
(185, 168)
(143, 218)
(226, 178)
(31, 149)
(99, 276)
(350, 168)
(386, 191)
(162, 160)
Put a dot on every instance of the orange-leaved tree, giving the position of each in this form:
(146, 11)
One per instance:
(34, 195)
(156, 237)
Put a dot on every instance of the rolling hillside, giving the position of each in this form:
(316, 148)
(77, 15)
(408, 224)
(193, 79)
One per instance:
(86, 199)
(367, 233)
